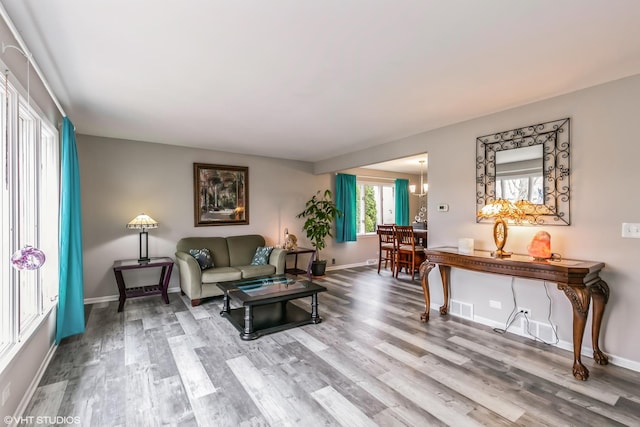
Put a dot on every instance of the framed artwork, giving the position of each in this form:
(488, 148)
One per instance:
(220, 194)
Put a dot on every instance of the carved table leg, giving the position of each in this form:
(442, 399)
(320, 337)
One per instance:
(225, 304)
(599, 296)
(445, 274)
(425, 268)
(580, 298)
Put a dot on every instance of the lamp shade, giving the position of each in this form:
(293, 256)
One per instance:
(501, 208)
(142, 222)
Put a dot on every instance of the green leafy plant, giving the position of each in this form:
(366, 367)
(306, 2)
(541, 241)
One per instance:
(319, 213)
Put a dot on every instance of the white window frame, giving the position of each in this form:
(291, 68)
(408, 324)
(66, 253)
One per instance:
(29, 181)
(361, 183)
(502, 180)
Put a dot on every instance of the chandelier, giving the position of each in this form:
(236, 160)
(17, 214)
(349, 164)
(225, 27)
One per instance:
(424, 187)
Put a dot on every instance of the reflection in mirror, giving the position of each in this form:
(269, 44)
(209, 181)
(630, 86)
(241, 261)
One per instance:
(529, 166)
(519, 174)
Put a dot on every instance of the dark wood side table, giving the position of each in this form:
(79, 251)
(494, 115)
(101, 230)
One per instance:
(579, 280)
(160, 288)
(295, 270)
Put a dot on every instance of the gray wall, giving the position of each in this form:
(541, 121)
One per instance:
(121, 179)
(27, 365)
(604, 170)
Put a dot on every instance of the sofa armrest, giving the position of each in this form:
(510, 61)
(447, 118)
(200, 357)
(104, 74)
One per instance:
(190, 275)
(278, 259)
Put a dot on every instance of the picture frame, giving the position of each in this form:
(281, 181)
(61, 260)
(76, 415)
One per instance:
(220, 194)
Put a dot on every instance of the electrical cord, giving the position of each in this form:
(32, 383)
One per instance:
(553, 328)
(514, 315)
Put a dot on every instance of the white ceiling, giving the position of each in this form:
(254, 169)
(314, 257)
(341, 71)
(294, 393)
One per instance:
(315, 79)
(417, 164)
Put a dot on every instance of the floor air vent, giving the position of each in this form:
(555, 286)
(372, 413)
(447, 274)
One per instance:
(461, 309)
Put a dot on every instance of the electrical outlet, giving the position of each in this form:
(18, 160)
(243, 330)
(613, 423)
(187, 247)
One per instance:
(6, 393)
(525, 311)
(443, 207)
(333, 261)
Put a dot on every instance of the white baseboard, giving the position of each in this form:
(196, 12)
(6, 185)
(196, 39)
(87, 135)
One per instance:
(345, 266)
(565, 345)
(110, 298)
(33, 386)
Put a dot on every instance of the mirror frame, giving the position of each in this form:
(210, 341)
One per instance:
(555, 140)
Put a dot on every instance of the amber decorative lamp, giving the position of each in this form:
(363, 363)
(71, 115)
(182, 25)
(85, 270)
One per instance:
(143, 222)
(502, 210)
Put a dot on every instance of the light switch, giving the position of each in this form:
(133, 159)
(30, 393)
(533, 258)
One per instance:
(443, 207)
(631, 229)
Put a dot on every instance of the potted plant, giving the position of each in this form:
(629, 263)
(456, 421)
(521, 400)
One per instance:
(319, 213)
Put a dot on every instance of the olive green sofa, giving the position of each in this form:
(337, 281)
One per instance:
(232, 258)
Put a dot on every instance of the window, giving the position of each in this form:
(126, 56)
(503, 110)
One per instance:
(519, 174)
(522, 187)
(25, 188)
(29, 206)
(376, 204)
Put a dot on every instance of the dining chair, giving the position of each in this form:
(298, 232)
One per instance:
(386, 246)
(408, 254)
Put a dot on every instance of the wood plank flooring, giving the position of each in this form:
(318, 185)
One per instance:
(369, 363)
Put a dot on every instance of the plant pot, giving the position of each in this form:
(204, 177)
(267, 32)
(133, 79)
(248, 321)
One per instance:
(318, 268)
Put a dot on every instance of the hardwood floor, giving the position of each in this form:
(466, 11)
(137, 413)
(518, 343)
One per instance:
(370, 362)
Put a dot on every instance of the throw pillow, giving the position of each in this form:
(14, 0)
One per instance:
(203, 256)
(261, 256)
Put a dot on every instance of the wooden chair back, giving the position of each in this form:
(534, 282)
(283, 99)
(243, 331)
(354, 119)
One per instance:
(405, 236)
(408, 254)
(386, 233)
(386, 245)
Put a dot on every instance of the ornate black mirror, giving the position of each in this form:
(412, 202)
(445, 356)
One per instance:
(528, 166)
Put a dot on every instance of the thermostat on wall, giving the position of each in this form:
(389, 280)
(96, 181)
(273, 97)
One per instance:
(443, 207)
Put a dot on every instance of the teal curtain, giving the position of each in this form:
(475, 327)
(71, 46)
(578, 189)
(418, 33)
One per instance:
(402, 201)
(346, 224)
(70, 320)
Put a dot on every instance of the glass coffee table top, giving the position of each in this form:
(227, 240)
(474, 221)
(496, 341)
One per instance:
(259, 288)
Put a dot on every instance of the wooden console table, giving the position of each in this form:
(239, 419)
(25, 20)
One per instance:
(579, 280)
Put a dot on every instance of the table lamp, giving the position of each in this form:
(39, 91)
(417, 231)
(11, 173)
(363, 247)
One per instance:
(143, 222)
(502, 210)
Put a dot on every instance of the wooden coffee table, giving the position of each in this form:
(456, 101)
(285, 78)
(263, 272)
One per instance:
(266, 304)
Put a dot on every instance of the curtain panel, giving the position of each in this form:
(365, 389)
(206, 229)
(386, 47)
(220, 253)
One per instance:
(70, 319)
(402, 201)
(346, 225)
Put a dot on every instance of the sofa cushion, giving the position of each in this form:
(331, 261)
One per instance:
(220, 274)
(261, 257)
(203, 256)
(216, 245)
(249, 271)
(242, 248)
